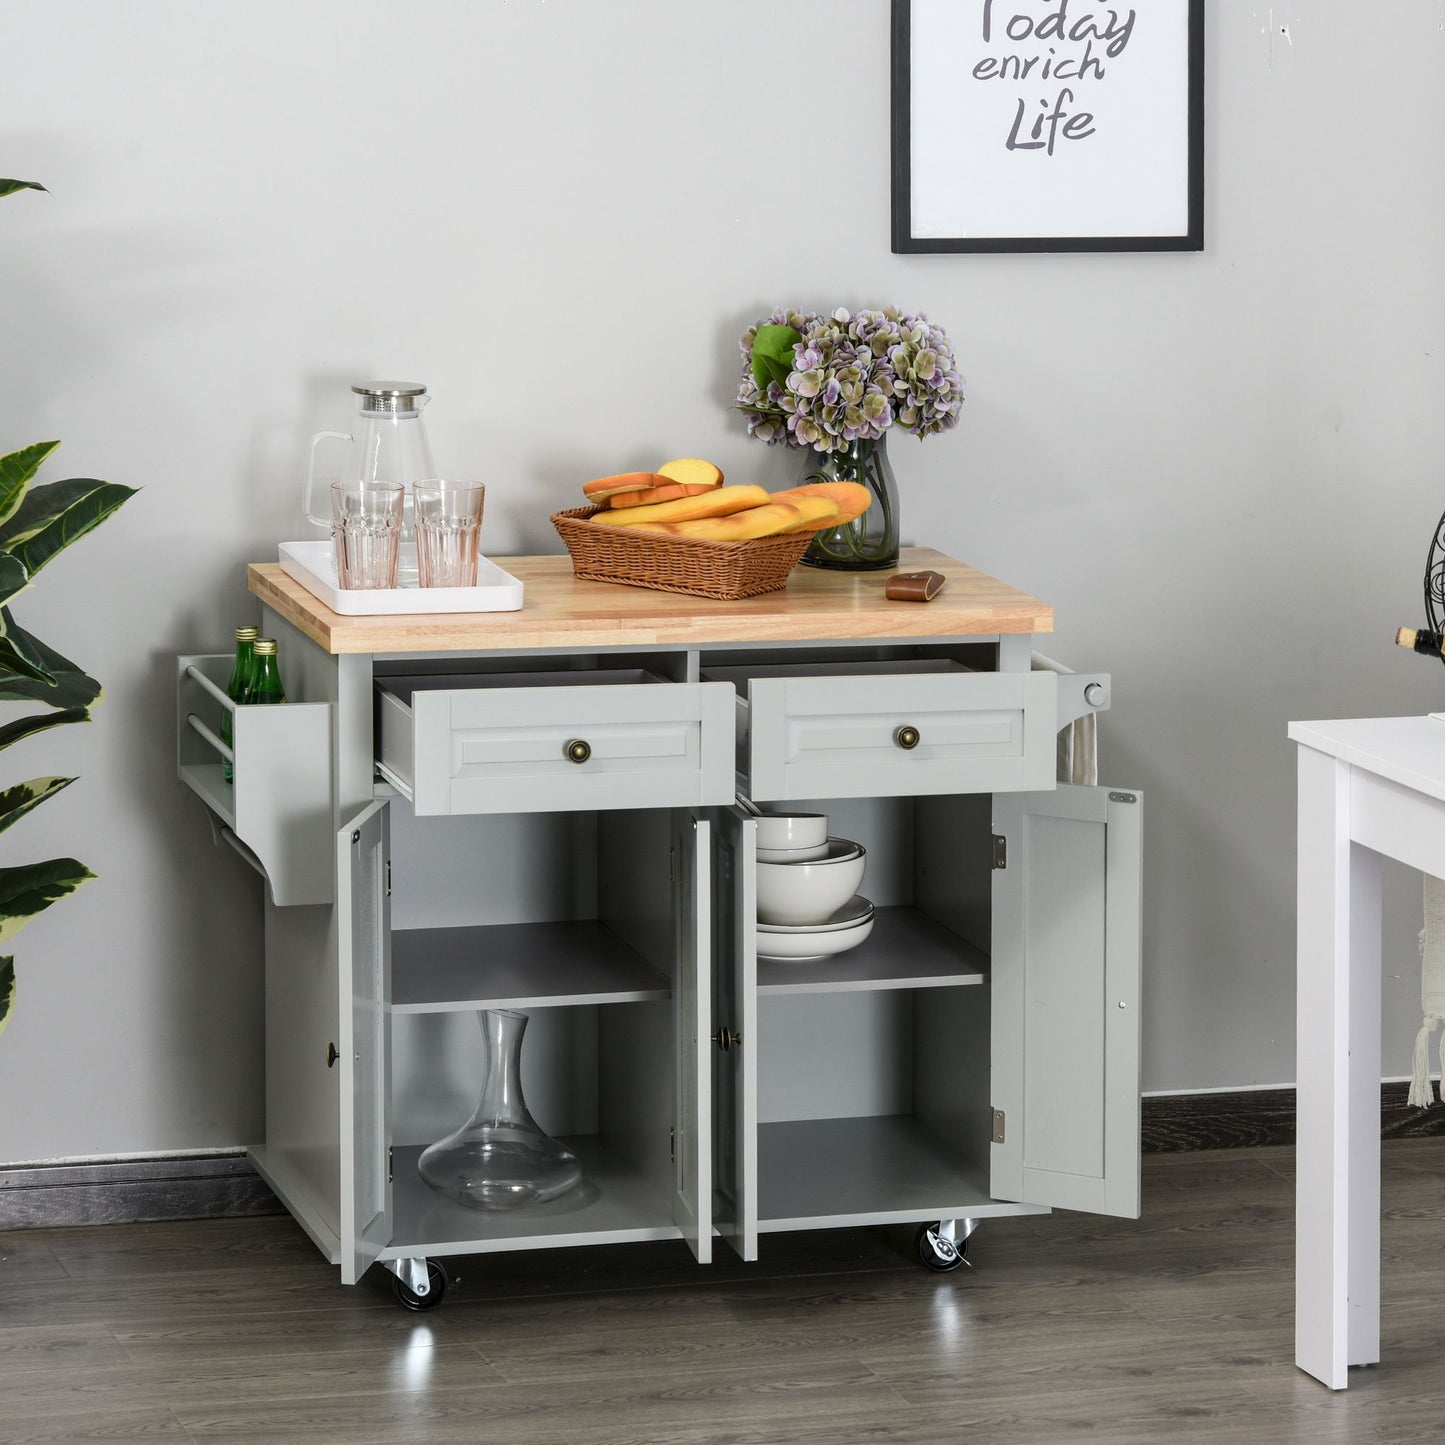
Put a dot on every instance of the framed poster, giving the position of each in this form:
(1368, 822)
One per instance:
(1048, 125)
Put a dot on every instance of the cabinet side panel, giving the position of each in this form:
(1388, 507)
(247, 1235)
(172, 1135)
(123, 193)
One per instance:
(635, 1046)
(634, 882)
(951, 1069)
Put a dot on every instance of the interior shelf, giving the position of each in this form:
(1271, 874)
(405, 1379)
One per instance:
(816, 1173)
(906, 949)
(517, 965)
(614, 1204)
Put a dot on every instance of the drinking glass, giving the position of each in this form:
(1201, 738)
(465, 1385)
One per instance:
(366, 527)
(448, 532)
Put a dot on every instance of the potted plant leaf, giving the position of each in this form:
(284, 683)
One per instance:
(36, 523)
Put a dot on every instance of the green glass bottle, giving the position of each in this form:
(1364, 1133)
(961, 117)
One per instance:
(265, 685)
(240, 676)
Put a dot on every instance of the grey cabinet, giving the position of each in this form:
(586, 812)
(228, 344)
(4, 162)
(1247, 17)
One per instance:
(978, 1056)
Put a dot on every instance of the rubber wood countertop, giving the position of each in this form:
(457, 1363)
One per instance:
(560, 611)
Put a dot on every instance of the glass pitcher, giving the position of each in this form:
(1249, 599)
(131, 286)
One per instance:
(388, 445)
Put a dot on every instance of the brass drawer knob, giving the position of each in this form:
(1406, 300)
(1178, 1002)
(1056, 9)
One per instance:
(331, 1056)
(726, 1039)
(906, 737)
(578, 751)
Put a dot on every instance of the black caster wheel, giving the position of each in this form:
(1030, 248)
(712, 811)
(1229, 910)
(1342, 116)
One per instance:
(436, 1278)
(938, 1253)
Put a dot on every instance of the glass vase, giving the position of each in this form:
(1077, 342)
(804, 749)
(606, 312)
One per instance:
(868, 542)
(500, 1158)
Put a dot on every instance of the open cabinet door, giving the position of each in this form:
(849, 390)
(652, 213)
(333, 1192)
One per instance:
(1066, 965)
(735, 1030)
(692, 1012)
(363, 922)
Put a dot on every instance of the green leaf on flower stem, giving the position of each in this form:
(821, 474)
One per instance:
(56, 514)
(33, 887)
(7, 990)
(773, 354)
(7, 187)
(17, 470)
(23, 798)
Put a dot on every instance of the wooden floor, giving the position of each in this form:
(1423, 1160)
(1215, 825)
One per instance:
(1175, 1327)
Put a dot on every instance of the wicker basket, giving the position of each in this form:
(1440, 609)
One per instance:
(725, 570)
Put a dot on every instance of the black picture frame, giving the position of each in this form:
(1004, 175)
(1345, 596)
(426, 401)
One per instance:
(1188, 198)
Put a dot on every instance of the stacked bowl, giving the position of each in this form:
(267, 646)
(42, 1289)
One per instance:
(807, 889)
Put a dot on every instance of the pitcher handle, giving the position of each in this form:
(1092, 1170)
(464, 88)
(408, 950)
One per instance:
(320, 437)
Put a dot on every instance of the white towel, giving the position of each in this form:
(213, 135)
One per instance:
(1432, 992)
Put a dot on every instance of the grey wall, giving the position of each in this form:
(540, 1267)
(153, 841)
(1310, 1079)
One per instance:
(1222, 469)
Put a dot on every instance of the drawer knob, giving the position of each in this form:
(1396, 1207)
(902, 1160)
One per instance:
(578, 751)
(726, 1039)
(331, 1056)
(906, 737)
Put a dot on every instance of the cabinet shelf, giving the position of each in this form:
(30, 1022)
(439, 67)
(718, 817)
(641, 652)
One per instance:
(906, 949)
(517, 965)
(613, 1205)
(818, 1173)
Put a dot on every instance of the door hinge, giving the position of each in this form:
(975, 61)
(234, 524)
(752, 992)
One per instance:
(672, 1143)
(1000, 851)
(1123, 798)
(388, 877)
(998, 1121)
(390, 1164)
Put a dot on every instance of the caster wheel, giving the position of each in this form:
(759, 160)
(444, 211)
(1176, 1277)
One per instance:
(436, 1278)
(937, 1253)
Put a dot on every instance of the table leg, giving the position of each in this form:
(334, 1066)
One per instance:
(1337, 1203)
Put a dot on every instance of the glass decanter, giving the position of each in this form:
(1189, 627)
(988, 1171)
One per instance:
(500, 1158)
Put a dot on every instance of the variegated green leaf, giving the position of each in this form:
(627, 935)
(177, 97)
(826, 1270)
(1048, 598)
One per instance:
(7, 990)
(39, 722)
(17, 471)
(31, 889)
(23, 798)
(55, 514)
(14, 578)
(71, 689)
(7, 187)
(19, 652)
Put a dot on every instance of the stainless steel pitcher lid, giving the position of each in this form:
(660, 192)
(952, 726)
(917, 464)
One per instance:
(389, 395)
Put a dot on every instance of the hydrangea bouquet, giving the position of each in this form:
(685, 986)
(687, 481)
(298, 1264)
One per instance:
(837, 385)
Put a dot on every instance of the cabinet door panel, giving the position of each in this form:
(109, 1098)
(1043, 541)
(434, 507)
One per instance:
(735, 1069)
(1066, 976)
(692, 1005)
(363, 923)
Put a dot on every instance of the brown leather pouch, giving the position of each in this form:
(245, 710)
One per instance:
(915, 586)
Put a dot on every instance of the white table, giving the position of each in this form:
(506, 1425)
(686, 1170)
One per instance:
(1367, 787)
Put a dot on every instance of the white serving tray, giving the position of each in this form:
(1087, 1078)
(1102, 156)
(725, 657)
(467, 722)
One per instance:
(313, 565)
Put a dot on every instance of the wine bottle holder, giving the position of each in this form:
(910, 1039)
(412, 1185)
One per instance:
(278, 806)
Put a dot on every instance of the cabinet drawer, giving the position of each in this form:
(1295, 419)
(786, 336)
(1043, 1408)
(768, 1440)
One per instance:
(539, 742)
(892, 729)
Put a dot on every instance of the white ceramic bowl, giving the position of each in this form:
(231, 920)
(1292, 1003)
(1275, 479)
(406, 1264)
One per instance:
(855, 911)
(793, 855)
(810, 893)
(813, 944)
(792, 830)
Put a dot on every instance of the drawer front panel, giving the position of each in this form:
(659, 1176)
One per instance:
(506, 750)
(839, 737)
